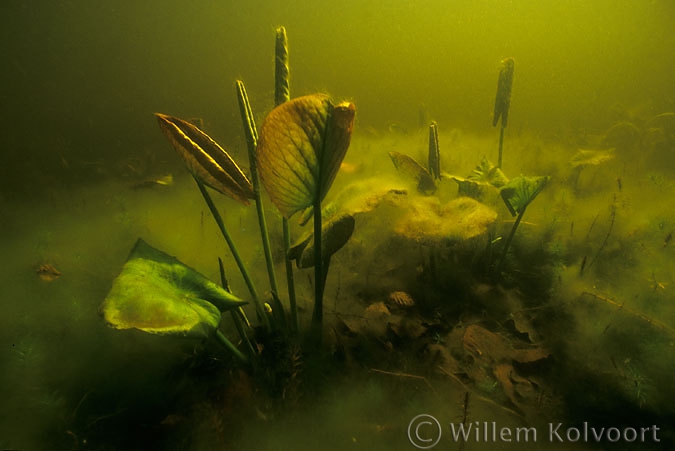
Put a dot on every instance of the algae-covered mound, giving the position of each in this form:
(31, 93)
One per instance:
(426, 219)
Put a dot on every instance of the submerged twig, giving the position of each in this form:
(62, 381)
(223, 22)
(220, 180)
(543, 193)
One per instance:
(609, 232)
(620, 306)
(404, 375)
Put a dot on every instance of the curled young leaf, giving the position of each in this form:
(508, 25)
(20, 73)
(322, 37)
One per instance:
(301, 145)
(205, 159)
(503, 99)
(334, 235)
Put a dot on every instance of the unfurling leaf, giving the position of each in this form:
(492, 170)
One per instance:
(520, 191)
(301, 145)
(486, 172)
(205, 159)
(334, 236)
(503, 99)
(158, 294)
(409, 167)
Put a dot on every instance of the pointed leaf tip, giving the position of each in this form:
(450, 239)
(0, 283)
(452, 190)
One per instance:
(206, 159)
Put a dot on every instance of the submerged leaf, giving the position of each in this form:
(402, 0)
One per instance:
(158, 294)
(486, 172)
(302, 143)
(520, 191)
(205, 159)
(409, 167)
(434, 152)
(503, 99)
(334, 235)
(591, 157)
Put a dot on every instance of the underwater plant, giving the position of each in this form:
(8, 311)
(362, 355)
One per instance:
(302, 144)
(517, 195)
(503, 101)
(427, 178)
(484, 175)
(158, 294)
(211, 165)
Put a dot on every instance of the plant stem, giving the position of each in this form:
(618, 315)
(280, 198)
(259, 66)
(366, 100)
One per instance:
(319, 274)
(501, 144)
(252, 141)
(240, 311)
(233, 349)
(290, 280)
(508, 241)
(282, 93)
(235, 254)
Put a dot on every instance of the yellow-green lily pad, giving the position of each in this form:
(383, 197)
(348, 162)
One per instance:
(158, 294)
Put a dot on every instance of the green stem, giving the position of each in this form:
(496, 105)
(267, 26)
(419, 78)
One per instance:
(290, 280)
(319, 279)
(228, 344)
(252, 141)
(501, 143)
(282, 93)
(240, 263)
(235, 313)
(508, 241)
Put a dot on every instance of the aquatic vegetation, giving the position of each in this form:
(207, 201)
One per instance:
(484, 176)
(503, 101)
(205, 159)
(517, 195)
(423, 293)
(302, 144)
(427, 178)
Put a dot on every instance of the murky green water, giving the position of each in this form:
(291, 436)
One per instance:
(574, 324)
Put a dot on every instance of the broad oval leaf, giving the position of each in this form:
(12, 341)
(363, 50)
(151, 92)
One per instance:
(158, 294)
(205, 159)
(301, 145)
(409, 167)
(520, 191)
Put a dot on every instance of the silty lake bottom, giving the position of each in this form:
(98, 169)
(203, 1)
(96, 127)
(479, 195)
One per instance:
(576, 329)
(466, 306)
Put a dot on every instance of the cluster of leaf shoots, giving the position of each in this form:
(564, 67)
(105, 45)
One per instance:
(296, 156)
(517, 193)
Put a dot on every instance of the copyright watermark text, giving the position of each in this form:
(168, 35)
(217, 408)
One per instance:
(425, 432)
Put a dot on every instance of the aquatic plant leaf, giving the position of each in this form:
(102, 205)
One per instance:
(486, 172)
(520, 191)
(503, 99)
(302, 143)
(434, 152)
(205, 159)
(468, 187)
(158, 294)
(591, 157)
(334, 235)
(410, 168)
(622, 136)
